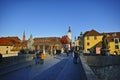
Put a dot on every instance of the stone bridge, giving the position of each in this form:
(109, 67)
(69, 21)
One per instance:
(21, 58)
(104, 67)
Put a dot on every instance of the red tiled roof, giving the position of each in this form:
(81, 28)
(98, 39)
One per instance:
(9, 41)
(5, 42)
(112, 35)
(15, 38)
(46, 41)
(111, 38)
(92, 33)
(65, 39)
(13, 41)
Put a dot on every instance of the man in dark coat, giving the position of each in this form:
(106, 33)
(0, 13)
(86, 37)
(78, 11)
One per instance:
(75, 57)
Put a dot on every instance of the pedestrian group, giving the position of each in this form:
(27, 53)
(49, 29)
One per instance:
(39, 57)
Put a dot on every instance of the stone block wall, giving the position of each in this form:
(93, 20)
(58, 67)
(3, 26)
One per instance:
(107, 72)
(104, 67)
(8, 61)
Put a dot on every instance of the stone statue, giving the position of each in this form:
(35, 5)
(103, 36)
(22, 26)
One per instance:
(105, 48)
(30, 42)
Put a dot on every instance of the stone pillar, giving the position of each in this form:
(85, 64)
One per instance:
(44, 49)
(62, 50)
(51, 49)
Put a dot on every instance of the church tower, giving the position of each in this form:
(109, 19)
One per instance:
(69, 34)
(24, 37)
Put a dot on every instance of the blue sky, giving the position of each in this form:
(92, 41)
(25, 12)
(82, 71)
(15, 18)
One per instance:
(46, 18)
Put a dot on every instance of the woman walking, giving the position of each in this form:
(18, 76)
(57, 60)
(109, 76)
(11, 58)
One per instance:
(42, 57)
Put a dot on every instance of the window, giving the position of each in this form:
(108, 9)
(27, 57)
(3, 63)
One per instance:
(88, 44)
(116, 40)
(87, 37)
(95, 37)
(88, 49)
(6, 51)
(116, 47)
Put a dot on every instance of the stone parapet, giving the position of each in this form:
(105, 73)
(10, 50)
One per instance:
(104, 67)
(107, 72)
(8, 61)
(88, 71)
(102, 60)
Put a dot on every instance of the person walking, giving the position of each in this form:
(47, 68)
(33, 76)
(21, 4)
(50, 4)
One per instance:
(42, 57)
(37, 57)
(67, 52)
(75, 57)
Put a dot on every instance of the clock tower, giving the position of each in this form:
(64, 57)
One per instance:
(69, 34)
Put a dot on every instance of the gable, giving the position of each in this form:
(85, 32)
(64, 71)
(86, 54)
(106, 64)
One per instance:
(92, 33)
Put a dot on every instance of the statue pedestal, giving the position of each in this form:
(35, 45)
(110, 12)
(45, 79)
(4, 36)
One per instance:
(105, 52)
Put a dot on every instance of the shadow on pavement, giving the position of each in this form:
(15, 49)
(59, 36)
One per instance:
(52, 72)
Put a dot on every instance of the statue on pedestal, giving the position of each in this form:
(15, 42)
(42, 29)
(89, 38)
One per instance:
(30, 43)
(105, 48)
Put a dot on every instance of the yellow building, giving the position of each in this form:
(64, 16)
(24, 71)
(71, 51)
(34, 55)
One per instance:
(91, 38)
(114, 42)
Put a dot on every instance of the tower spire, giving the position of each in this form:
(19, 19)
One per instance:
(69, 30)
(24, 37)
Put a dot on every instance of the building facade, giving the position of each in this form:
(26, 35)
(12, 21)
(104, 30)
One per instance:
(114, 42)
(9, 45)
(12, 45)
(93, 41)
(47, 44)
(91, 38)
